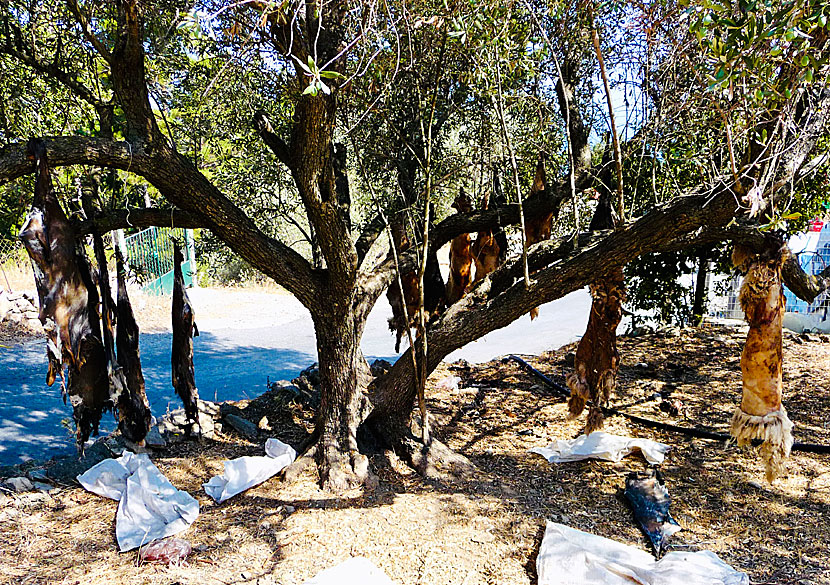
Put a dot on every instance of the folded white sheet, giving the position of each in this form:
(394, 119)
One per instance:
(571, 557)
(355, 571)
(246, 472)
(601, 445)
(149, 507)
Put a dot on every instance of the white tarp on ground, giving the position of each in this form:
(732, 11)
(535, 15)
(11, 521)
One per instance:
(149, 507)
(246, 472)
(355, 571)
(601, 445)
(571, 557)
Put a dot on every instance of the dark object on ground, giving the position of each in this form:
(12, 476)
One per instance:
(243, 426)
(68, 303)
(184, 329)
(168, 551)
(648, 497)
(380, 367)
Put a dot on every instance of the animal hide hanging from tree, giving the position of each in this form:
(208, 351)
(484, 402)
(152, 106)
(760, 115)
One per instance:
(761, 414)
(68, 303)
(129, 357)
(597, 358)
(184, 329)
(131, 407)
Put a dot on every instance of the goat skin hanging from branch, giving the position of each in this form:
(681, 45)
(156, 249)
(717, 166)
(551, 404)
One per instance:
(184, 328)
(68, 303)
(597, 357)
(129, 358)
(761, 414)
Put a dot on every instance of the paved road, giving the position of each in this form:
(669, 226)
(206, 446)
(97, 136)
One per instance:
(244, 341)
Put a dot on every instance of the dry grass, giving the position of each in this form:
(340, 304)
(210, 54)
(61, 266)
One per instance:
(486, 530)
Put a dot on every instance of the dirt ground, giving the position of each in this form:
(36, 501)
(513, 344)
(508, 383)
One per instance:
(487, 529)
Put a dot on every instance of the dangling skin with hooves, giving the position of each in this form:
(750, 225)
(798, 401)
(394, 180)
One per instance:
(761, 414)
(597, 358)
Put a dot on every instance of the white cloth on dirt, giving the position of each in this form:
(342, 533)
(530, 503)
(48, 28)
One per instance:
(571, 557)
(602, 445)
(246, 472)
(149, 506)
(355, 571)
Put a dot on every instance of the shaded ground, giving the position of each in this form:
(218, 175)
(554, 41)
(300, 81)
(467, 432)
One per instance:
(488, 529)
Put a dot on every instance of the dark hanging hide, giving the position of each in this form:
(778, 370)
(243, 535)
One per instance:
(184, 328)
(68, 303)
(597, 358)
(132, 410)
(129, 359)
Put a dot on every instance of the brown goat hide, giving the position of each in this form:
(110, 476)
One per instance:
(538, 228)
(184, 328)
(761, 414)
(461, 258)
(597, 358)
(68, 303)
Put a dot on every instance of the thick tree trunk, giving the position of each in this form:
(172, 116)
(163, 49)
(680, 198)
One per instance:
(343, 380)
(699, 304)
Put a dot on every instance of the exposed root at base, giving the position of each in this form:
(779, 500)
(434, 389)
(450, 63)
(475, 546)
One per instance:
(775, 429)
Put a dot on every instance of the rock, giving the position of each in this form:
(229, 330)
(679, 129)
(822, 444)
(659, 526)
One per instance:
(5, 306)
(810, 337)
(15, 317)
(13, 296)
(483, 537)
(44, 487)
(217, 427)
(20, 484)
(37, 474)
(35, 325)
(289, 509)
(67, 468)
(570, 359)
(154, 439)
(824, 338)
(263, 424)
(206, 425)
(210, 408)
(244, 427)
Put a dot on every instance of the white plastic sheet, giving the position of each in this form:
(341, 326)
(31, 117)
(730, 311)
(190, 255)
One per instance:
(149, 507)
(355, 571)
(601, 445)
(246, 472)
(571, 557)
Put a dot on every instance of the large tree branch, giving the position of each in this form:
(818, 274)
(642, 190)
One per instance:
(271, 140)
(127, 218)
(185, 187)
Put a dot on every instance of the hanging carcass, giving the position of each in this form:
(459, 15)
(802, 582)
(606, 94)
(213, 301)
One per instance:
(129, 358)
(461, 257)
(538, 228)
(184, 329)
(68, 303)
(761, 414)
(597, 359)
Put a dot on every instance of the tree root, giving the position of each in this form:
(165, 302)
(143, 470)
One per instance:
(774, 429)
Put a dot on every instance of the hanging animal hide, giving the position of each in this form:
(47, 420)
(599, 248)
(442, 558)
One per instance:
(597, 358)
(488, 251)
(129, 360)
(184, 329)
(68, 303)
(461, 258)
(761, 414)
(538, 228)
(132, 410)
(434, 288)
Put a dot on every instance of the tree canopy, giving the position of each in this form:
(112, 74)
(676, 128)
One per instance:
(295, 131)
